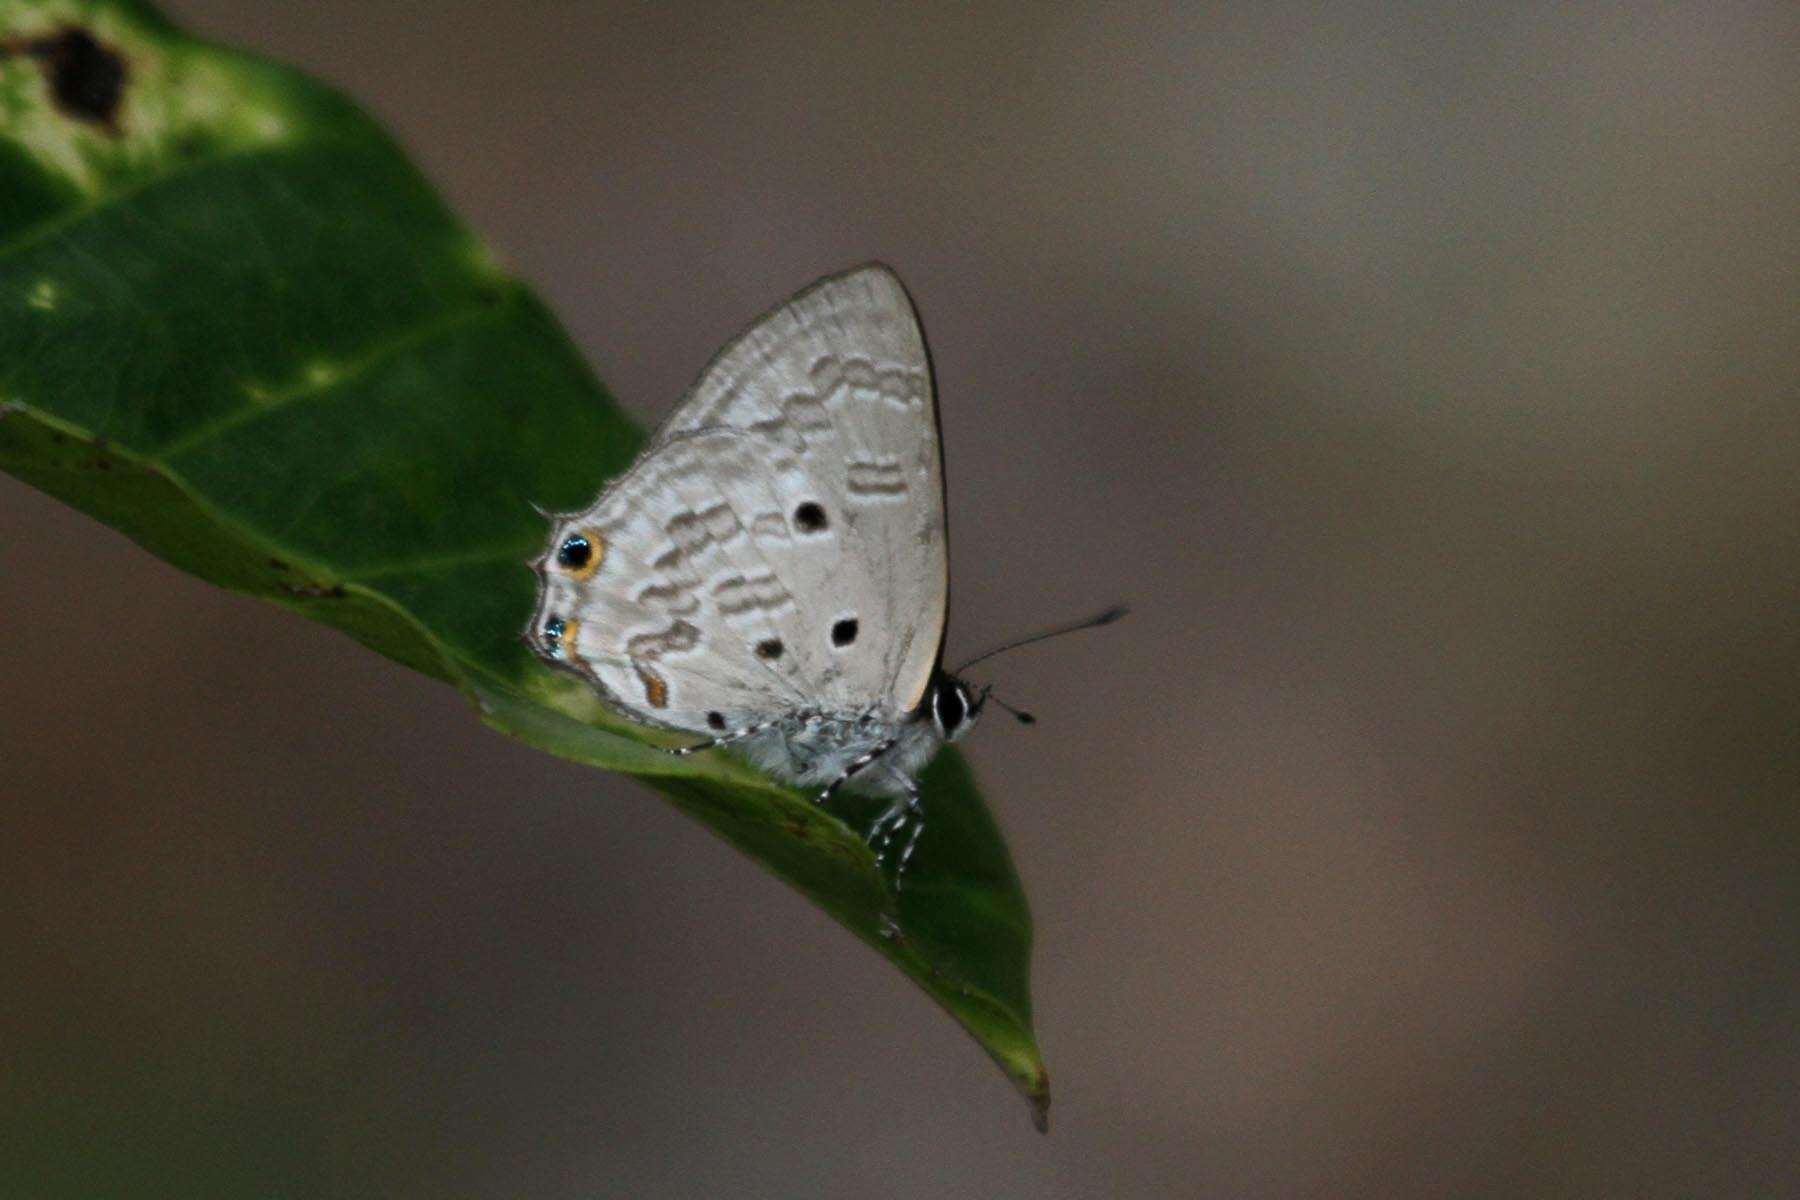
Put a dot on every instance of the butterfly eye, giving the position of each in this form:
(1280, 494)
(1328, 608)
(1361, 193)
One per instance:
(844, 632)
(715, 720)
(810, 517)
(951, 710)
(580, 553)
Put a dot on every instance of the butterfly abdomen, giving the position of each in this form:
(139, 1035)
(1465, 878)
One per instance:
(813, 749)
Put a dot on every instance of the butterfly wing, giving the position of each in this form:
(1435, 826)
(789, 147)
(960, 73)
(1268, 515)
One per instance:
(781, 544)
(841, 376)
(675, 608)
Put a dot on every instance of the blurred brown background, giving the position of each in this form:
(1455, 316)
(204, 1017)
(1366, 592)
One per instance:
(1428, 377)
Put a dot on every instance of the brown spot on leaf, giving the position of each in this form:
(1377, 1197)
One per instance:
(86, 78)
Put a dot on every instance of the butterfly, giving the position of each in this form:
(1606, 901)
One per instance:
(772, 573)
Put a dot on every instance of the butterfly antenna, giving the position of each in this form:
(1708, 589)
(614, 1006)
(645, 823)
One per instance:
(1023, 717)
(1105, 618)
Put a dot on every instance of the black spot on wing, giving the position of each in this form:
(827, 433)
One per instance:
(575, 552)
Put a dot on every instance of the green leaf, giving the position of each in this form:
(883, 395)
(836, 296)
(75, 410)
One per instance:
(238, 326)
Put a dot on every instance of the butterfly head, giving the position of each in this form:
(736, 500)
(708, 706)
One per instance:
(954, 705)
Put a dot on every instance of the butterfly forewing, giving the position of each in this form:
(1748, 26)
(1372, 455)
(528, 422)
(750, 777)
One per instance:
(840, 372)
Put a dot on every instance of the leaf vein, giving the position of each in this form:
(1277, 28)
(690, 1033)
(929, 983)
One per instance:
(439, 562)
(71, 217)
(281, 399)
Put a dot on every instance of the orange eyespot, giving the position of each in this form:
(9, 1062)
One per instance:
(656, 688)
(580, 554)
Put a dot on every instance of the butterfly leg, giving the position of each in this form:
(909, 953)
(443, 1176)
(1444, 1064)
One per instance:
(912, 841)
(886, 830)
(722, 740)
(858, 764)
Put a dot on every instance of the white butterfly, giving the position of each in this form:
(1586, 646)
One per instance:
(772, 573)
